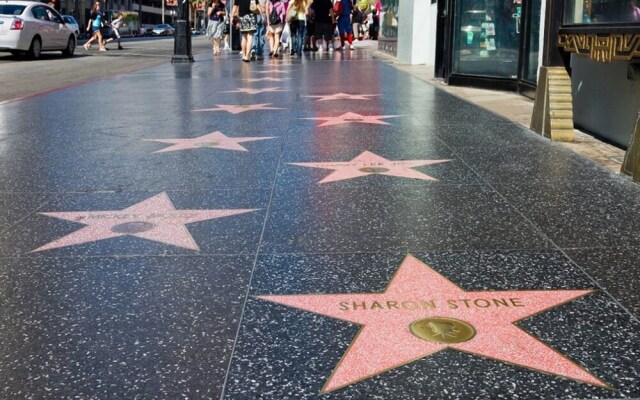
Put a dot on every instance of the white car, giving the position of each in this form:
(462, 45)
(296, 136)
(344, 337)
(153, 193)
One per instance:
(30, 27)
(72, 24)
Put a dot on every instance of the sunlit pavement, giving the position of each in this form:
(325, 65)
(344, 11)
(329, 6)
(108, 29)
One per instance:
(321, 227)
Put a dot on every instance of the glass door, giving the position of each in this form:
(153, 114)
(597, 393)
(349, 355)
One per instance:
(531, 47)
(486, 38)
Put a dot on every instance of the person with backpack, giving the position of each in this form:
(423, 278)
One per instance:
(275, 25)
(343, 9)
(323, 10)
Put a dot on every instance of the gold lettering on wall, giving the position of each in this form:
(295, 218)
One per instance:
(613, 47)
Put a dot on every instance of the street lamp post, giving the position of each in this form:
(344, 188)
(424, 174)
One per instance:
(182, 38)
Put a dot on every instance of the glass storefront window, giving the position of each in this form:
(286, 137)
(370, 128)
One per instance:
(487, 37)
(601, 12)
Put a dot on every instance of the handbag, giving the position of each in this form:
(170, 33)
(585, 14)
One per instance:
(291, 14)
(253, 7)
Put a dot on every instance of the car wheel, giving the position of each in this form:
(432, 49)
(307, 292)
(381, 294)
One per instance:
(71, 47)
(35, 49)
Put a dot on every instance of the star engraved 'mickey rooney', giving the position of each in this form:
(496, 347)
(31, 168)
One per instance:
(154, 219)
(421, 312)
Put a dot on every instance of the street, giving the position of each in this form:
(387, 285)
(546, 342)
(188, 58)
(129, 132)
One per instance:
(20, 78)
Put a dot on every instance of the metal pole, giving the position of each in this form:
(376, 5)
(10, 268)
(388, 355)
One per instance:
(231, 28)
(162, 11)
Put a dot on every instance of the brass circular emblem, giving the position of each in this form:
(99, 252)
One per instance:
(374, 170)
(442, 330)
(132, 227)
(207, 144)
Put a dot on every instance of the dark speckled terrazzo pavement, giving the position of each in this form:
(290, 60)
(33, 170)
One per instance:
(178, 301)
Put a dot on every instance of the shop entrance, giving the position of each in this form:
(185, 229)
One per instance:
(491, 43)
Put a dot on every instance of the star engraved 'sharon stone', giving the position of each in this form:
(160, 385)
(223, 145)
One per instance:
(421, 312)
(153, 219)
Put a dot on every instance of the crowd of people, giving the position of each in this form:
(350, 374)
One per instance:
(292, 26)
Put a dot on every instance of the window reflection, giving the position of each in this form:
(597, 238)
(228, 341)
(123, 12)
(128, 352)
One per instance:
(601, 11)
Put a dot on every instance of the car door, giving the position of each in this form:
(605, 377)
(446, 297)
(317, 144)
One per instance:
(43, 27)
(61, 30)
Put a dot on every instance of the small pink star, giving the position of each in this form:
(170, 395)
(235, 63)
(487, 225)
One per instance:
(270, 79)
(344, 96)
(237, 109)
(369, 163)
(274, 71)
(348, 118)
(154, 219)
(216, 140)
(422, 312)
(256, 91)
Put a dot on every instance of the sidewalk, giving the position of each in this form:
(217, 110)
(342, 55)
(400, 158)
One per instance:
(325, 227)
(516, 108)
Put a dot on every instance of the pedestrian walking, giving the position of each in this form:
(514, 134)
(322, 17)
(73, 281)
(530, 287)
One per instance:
(257, 50)
(298, 25)
(95, 24)
(323, 10)
(357, 19)
(116, 24)
(275, 25)
(242, 10)
(344, 22)
(215, 29)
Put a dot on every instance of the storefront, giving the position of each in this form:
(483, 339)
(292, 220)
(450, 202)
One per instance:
(603, 40)
(489, 43)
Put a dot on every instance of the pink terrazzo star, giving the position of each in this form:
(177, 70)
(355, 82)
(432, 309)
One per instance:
(369, 163)
(268, 79)
(214, 140)
(154, 219)
(343, 96)
(256, 91)
(237, 109)
(348, 118)
(274, 71)
(417, 292)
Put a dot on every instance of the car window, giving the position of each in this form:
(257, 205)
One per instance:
(40, 13)
(11, 9)
(54, 16)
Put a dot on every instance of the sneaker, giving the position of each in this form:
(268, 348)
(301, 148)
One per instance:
(252, 57)
(330, 49)
(351, 47)
(120, 48)
(319, 49)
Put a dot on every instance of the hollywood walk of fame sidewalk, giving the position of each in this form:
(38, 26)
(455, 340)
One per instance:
(261, 234)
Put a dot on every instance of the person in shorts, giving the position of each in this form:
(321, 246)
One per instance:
(116, 24)
(275, 25)
(323, 10)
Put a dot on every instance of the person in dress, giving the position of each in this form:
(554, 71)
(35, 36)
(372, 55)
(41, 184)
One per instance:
(248, 26)
(215, 29)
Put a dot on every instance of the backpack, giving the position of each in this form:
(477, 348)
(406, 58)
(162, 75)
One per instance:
(274, 17)
(338, 8)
